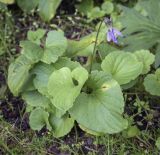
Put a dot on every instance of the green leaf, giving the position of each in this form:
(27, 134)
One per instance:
(85, 6)
(84, 46)
(56, 45)
(32, 51)
(42, 72)
(158, 143)
(95, 13)
(133, 131)
(35, 99)
(35, 36)
(142, 30)
(61, 126)
(107, 7)
(27, 6)
(75, 47)
(146, 58)
(29, 108)
(18, 74)
(124, 67)
(101, 108)
(7, 1)
(66, 62)
(87, 51)
(152, 83)
(38, 119)
(47, 8)
(65, 85)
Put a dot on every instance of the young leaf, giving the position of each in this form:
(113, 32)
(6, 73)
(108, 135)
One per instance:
(124, 67)
(64, 86)
(85, 6)
(38, 119)
(146, 58)
(35, 36)
(18, 74)
(55, 46)
(133, 131)
(100, 109)
(95, 13)
(152, 83)
(61, 126)
(108, 7)
(47, 8)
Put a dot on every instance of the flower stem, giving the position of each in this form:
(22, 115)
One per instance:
(94, 49)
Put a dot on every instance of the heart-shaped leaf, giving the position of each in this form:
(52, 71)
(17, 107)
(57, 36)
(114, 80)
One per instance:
(100, 109)
(65, 85)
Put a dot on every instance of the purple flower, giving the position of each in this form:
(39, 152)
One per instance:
(113, 34)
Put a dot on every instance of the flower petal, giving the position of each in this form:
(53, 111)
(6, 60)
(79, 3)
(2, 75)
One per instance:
(114, 37)
(117, 32)
(109, 36)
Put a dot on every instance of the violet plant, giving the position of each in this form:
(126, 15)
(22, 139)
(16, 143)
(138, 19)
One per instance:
(59, 91)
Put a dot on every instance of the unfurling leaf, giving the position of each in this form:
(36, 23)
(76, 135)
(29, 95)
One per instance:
(38, 119)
